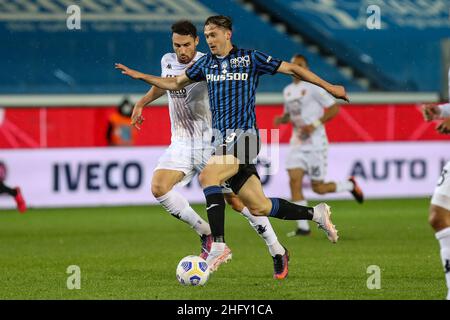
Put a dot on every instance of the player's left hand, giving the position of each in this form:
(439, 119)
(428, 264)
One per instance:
(444, 126)
(136, 117)
(430, 111)
(338, 92)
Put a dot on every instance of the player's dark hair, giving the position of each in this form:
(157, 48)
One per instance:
(184, 28)
(220, 21)
(300, 56)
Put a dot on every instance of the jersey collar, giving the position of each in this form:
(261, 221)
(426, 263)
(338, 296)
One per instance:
(233, 50)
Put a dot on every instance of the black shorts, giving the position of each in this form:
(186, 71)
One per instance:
(244, 173)
(243, 145)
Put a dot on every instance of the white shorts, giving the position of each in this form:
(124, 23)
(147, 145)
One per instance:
(314, 162)
(441, 196)
(181, 156)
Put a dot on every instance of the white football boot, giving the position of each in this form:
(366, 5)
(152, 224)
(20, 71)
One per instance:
(220, 253)
(322, 215)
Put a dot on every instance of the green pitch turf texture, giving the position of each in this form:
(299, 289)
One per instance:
(132, 253)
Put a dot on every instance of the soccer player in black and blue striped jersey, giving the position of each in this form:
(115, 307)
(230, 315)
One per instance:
(232, 76)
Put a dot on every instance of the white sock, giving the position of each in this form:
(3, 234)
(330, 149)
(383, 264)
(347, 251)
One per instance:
(342, 186)
(302, 224)
(178, 207)
(443, 237)
(265, 230)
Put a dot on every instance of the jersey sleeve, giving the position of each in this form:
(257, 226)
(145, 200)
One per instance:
(445, 110)
(323, 97)
(265, 64)
(195, 72)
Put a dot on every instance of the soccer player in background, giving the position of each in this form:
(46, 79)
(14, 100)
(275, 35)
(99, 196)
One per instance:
(440, 202)
(232, 76)
(309, 107)
(13, 192)
(191, 148)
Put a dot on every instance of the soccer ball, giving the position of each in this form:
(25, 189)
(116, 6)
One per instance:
(192, 271)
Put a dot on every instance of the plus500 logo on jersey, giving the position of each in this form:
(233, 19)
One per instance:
(228, 76)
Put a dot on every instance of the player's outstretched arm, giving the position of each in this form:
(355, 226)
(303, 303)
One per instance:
(281, 119)
(444, 127)
(306, 75)
(432, 111)
(136, 118)
(170, 83)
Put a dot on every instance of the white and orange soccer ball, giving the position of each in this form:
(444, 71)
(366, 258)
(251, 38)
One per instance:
(192, 271)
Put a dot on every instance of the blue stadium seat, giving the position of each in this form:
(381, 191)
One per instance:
(403, 54)
(42, 56)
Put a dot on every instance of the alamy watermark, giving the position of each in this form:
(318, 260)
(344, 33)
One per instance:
(373, 21)
(74, 278)
(73, 21)
(374, 280)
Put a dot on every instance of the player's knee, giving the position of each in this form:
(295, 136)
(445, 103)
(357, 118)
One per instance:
(202, 177)
(206, 178)
(439, 218)
(256, 211)
(261, 208)
(159, 189)
(319, 188)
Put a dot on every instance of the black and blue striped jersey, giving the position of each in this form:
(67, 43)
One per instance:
(232, 83)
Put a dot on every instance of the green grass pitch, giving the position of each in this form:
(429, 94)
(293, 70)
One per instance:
(132, 253)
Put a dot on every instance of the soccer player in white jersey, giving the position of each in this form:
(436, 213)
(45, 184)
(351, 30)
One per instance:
(440, 202)
(308, 107)
(191, 147)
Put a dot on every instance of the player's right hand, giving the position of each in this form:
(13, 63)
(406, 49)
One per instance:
(430, 112)
(444, 127)
(338, 92)
(136, 117)
(127, 71)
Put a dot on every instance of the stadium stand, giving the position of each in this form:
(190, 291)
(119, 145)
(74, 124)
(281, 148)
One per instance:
(391, 58)
(40, 56)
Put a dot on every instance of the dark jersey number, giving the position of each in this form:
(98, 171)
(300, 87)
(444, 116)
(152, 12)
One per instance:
(442, 177)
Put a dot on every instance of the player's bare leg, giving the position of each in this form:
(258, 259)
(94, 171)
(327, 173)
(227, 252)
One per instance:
(217, 170)
(252, 195)
(440, 221)
(296, 185)
(163, 182)
(264, 228)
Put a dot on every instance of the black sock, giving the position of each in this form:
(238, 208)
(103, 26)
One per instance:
(215, 207)
(282, 209)
(5, 189)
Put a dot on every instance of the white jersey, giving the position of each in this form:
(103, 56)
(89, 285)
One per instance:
(305, 103)
(190, 116)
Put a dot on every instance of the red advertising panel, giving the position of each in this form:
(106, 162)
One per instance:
(88, 126)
